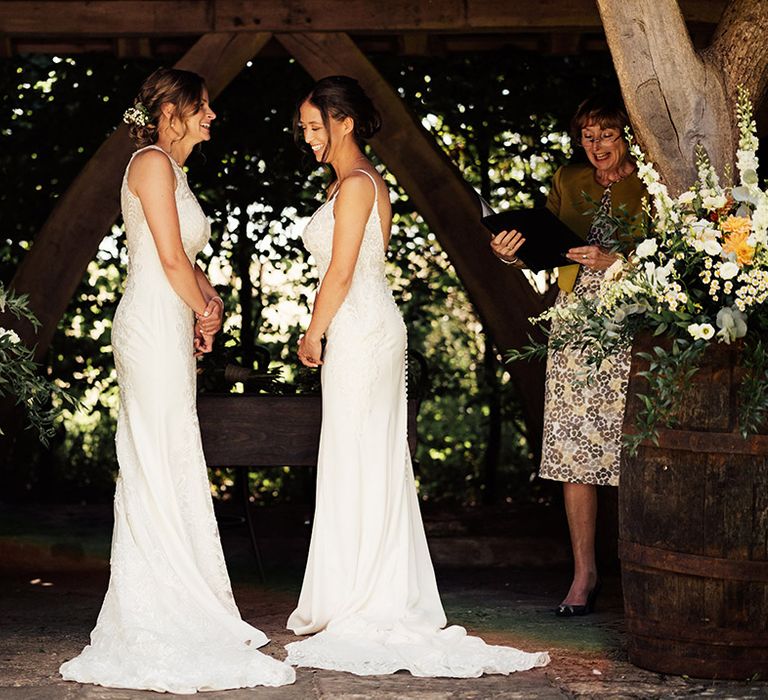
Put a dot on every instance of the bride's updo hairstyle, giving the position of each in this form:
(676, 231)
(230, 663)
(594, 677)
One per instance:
(182, 88)
(338, 97)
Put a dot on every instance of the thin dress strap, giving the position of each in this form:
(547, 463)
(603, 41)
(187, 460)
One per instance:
(373, 180)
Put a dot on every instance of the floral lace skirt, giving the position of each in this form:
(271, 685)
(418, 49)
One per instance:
(582, 422)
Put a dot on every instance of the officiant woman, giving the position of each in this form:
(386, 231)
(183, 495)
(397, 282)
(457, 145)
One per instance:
(582, 424)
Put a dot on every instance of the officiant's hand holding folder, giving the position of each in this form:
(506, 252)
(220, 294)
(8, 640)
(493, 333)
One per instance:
(547, 239)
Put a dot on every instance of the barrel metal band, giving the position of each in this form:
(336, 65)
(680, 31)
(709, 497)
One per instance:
(692, 564)
(753, 640)
(721, 443)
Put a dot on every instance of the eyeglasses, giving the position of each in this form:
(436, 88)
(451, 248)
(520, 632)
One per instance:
(604, 140)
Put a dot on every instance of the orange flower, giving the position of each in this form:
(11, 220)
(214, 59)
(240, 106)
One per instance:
(738, 229)
(736, 224)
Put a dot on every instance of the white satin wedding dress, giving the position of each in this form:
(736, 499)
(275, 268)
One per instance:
(168, 621)
(369, 591)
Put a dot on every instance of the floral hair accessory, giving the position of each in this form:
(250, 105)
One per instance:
(138, 115)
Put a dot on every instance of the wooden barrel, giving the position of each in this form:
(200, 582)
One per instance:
(693, 532)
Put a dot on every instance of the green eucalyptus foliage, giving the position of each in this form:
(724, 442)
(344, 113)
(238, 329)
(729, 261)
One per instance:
(20, 378)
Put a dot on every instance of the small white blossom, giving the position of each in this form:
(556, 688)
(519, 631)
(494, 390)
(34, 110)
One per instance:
(701, 331)
(11, 335)
(713, 202)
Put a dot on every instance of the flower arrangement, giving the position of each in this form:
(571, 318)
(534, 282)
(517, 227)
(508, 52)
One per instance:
(138, 115)
(19, 373)
(700, 276)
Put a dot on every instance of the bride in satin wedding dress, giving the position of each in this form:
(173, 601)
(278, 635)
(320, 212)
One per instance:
(369, 594)
(168, 621)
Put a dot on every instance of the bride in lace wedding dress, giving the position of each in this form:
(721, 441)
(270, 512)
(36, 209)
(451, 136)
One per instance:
(168, 621)
(369, 593)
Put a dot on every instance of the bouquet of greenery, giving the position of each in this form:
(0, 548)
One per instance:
(20, 377)
(699, 277)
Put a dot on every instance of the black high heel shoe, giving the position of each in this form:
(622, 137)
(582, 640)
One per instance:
(568, 610)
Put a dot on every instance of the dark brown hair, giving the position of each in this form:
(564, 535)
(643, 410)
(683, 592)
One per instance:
(606, 110)
(339, 97)
(182, 88)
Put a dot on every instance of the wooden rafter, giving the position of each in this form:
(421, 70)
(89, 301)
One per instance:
(151, 18)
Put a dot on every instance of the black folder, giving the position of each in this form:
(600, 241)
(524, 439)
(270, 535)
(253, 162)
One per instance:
(547, 239)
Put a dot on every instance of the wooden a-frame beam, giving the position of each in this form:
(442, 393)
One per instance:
(502, 296)
(152, 18)
(67, 242)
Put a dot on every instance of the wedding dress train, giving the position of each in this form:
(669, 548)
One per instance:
(169, 621)
(369, 593)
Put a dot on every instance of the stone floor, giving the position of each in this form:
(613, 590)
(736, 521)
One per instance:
(52, 583)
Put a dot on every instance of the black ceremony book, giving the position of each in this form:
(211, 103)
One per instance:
(547, 239)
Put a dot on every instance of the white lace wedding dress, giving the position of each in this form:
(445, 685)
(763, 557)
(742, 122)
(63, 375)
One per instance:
(168, 621)
(369, 589)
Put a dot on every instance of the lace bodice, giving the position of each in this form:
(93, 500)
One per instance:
(369, 282)
(142, 252)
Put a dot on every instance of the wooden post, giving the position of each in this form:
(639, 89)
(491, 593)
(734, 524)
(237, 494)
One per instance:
(502, 296)
(53, 268)
(678, 98)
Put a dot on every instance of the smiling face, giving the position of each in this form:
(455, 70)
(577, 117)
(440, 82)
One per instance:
(324, 141)
(198, 125)
(604, 146)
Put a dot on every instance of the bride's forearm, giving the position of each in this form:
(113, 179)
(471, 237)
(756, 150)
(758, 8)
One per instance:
(207, 289)
(330, 297)
(183, 281)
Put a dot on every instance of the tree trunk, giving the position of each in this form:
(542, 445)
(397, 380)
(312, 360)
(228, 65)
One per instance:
(502, 296)
(54, 267)
(677, 98)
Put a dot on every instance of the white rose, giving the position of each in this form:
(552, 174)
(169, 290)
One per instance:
(712, 247)
(686, 197)
(728, 270)
(647, 248)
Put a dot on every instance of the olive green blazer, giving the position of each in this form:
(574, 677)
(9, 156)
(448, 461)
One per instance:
(566, 201)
